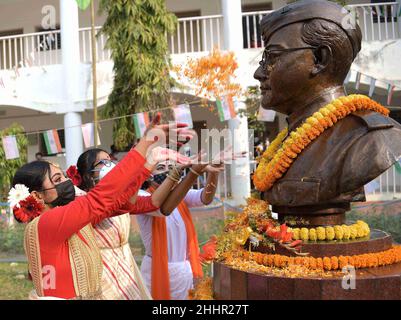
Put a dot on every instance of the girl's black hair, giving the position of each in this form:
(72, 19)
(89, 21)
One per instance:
(85, 164)
(32, 175)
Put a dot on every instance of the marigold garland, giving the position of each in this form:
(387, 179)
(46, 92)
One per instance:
(203, 290)
(277, 159)
(359, 229)
(368, 260)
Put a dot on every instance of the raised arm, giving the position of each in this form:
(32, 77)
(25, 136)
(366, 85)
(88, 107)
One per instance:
(112, 192)
(60, 223)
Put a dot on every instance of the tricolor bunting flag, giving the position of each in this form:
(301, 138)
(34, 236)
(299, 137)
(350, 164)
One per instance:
(88, 133)
(10, 147)
(52, 141)
(226, 108)
(182, 113)
(141, 122)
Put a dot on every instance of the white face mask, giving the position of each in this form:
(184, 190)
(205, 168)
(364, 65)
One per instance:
(105, 170)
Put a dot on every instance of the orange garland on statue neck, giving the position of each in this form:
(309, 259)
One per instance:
(279, 156)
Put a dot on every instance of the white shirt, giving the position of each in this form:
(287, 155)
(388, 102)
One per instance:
(176, 232)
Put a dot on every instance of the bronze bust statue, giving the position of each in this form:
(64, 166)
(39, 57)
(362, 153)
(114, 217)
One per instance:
(309, 49)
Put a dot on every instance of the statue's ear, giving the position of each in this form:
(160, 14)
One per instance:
(323, 57)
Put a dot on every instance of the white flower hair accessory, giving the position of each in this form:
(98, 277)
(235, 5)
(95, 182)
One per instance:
(18, 193)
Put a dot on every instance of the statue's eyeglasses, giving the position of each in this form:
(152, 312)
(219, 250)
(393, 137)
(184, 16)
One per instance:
(268, 54)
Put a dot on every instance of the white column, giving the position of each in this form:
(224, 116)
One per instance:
(73, 137)
(233, 41)
(240, 169)
(71, 59)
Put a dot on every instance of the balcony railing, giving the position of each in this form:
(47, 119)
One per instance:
(379, 21)
(196, 34)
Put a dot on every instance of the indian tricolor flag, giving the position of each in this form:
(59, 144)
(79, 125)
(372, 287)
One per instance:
(88, 133)
(141, 122)
(226, 108)
(52, 141)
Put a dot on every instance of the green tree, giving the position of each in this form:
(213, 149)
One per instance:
(9, 167)
(136, 32)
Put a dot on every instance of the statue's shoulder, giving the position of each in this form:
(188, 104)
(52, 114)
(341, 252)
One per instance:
(375, 121)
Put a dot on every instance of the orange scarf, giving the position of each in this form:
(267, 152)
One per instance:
(160, 278)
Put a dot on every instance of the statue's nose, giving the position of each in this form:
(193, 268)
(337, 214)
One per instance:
(259, 74)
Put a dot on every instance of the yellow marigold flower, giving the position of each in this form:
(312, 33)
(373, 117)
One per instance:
(312, 121)
(360, 231)
(325, 111)
(318, 115)
(331, 107)
(304, 234)
(330, 233)
(346, 232)
(296, 235)
(338, 230)
(321, 233)
(353, 232)
(312, 234)
(294, 135)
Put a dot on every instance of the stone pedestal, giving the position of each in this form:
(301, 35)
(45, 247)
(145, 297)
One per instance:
(382, 283)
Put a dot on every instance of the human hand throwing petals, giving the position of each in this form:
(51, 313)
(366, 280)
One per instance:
(227, 155)
(161, 132)
(214, 168)
(159, 154)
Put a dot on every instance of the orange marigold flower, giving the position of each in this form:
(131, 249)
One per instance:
(319, 263)
(334, 263)
(327, 263)
(312, 263)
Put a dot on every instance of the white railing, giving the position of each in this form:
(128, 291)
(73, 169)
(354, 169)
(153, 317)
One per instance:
(387, 186)
(196, 34)
(378, 21)
(85, 44)
(252, 35)
(25, 50)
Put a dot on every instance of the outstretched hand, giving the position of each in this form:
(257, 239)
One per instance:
(160, 154)
(167, 134)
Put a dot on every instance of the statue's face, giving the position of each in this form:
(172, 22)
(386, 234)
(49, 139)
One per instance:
(286, 76)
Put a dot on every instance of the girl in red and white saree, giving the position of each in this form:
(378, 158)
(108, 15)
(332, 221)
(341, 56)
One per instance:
(63, 257)
(121, 278)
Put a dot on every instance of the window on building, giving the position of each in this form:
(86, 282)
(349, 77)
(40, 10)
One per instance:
(251, 16)
(49, 40)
